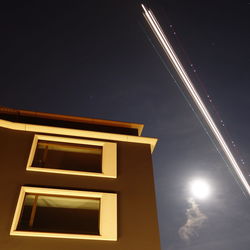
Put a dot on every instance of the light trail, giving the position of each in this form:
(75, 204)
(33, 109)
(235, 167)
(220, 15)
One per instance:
(156, 28)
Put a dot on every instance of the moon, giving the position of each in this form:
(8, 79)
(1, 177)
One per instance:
(200, 189)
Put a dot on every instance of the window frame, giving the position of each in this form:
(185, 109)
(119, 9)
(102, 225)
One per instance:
(109, 156)
(108, 214)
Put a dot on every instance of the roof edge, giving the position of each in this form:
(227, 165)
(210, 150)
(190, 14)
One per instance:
(78, 133)
(139, 127)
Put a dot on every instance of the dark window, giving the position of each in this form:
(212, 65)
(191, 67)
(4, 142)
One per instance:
(67, 156)
(60, 214)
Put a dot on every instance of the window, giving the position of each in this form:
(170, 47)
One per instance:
(72, 156)
(58, 213)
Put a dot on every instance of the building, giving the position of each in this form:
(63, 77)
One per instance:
(75, 183)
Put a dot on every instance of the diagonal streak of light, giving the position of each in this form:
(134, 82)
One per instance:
(156, 28)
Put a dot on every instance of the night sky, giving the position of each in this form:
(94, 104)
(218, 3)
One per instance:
(99, 59)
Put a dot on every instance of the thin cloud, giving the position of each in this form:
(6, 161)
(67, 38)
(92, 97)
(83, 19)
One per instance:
(195, 220)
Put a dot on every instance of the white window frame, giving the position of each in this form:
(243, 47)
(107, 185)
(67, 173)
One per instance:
(108, 214)
(109, 156)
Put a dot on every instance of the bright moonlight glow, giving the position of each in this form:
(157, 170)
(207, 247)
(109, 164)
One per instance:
(200, 189)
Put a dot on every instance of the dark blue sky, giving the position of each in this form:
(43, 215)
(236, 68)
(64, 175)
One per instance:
(99, 59)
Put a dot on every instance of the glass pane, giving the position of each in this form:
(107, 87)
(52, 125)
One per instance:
(68, 156)
(60, 214)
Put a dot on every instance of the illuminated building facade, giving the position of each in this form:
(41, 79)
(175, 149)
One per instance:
(75, 183)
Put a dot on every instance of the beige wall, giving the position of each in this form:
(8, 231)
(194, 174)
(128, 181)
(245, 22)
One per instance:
(137, 219)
